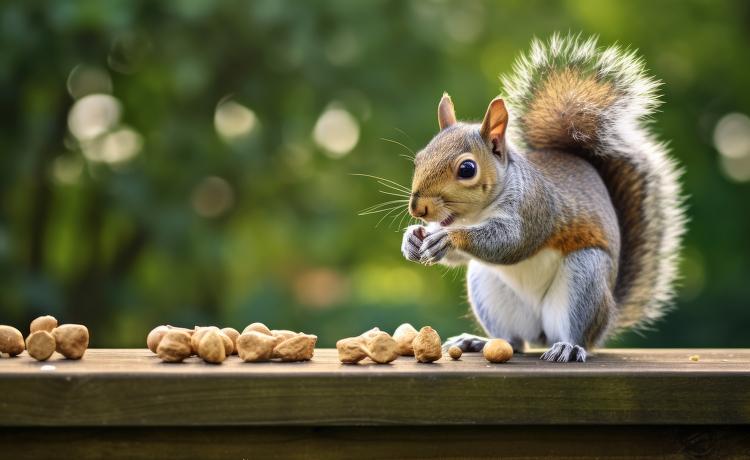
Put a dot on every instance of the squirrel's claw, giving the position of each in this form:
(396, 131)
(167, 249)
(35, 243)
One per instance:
(411, 243)
(434, 248)
(562, 352)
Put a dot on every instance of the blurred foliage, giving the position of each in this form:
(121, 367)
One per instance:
(172, 210)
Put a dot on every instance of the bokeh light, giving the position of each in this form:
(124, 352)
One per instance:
(336, 132)
(321, 288)
(67, 168)
(84, 80)
(93, 115)
(732, 140)
(212, 197)
(233, 120)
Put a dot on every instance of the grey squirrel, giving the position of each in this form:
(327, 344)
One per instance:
(564, 206)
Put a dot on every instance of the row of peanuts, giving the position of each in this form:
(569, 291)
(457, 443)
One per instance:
(257, 343)
(424, 345)
(45, 338)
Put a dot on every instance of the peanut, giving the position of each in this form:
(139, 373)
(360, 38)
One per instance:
(383, 348)
(155, 336)
(43, 323)
(174, 346)
(497, 351)
(198, 335)
(212, 347)
(40, 345)
(427, 345)
(286, 334)
(258, 327)
(405, 335)
(352, 350)
(233, 335)
(299, 348)
(255, 346)
(72, 340)
(455, 352)
(11, 341)
(372, 332)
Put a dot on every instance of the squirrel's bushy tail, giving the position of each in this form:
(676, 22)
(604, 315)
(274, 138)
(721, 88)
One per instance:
(570, 95)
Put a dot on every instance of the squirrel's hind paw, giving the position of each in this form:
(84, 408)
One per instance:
(563, 352)
(466, 342)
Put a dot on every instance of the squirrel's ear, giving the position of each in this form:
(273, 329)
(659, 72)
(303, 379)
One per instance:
(446, 114)
(494, 124)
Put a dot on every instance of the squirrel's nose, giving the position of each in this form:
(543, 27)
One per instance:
(415, 207)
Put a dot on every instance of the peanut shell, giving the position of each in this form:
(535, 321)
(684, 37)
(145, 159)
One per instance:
(212, 348)
(286, 334)
(258, 327)
(72, 340)
(43, 323)
(370, 333)
(300, 348)
(174, 346)
(198, 335)
(228, 344)
(383, 348)
(40, 345)
(497, 351)
(11, 341)
(155, 336)
(352, 350)
(255, 346)
(233, 336)
(405, 335)
(427, 346)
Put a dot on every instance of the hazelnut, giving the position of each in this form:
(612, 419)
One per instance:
(233, 335)
(405, 335)
(258, 327)
(255, 346)
(11, 341)
(427, 345)
(174, 346)
(155, 336)
(299, 348)
(455, 352)
(72, 340)
(212, 347)
(40, 345)
(43, 323)
(383, 348)
(497, 351)
(352, 350)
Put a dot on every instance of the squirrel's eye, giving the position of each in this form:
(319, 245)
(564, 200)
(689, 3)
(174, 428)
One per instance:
(467, 169)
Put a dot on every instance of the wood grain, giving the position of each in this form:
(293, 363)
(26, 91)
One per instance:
(363, 443)
(134, 388)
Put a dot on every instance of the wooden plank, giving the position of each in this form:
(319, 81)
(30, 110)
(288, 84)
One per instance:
(134, 388)
(362, 443)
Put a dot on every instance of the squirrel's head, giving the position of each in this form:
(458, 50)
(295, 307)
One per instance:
(460, 172)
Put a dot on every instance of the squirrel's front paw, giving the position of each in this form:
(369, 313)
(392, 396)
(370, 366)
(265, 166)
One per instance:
(412, 242)
(435, 247)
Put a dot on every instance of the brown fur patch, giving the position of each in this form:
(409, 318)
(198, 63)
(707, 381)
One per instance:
(460, 239)
(564, 112)
(580, 234)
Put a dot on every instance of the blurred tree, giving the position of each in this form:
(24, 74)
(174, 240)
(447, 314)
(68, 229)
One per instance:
(189, 162)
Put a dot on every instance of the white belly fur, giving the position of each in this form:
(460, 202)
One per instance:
(542, 285)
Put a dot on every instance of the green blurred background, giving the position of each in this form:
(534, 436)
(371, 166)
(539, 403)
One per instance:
(189, 162)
